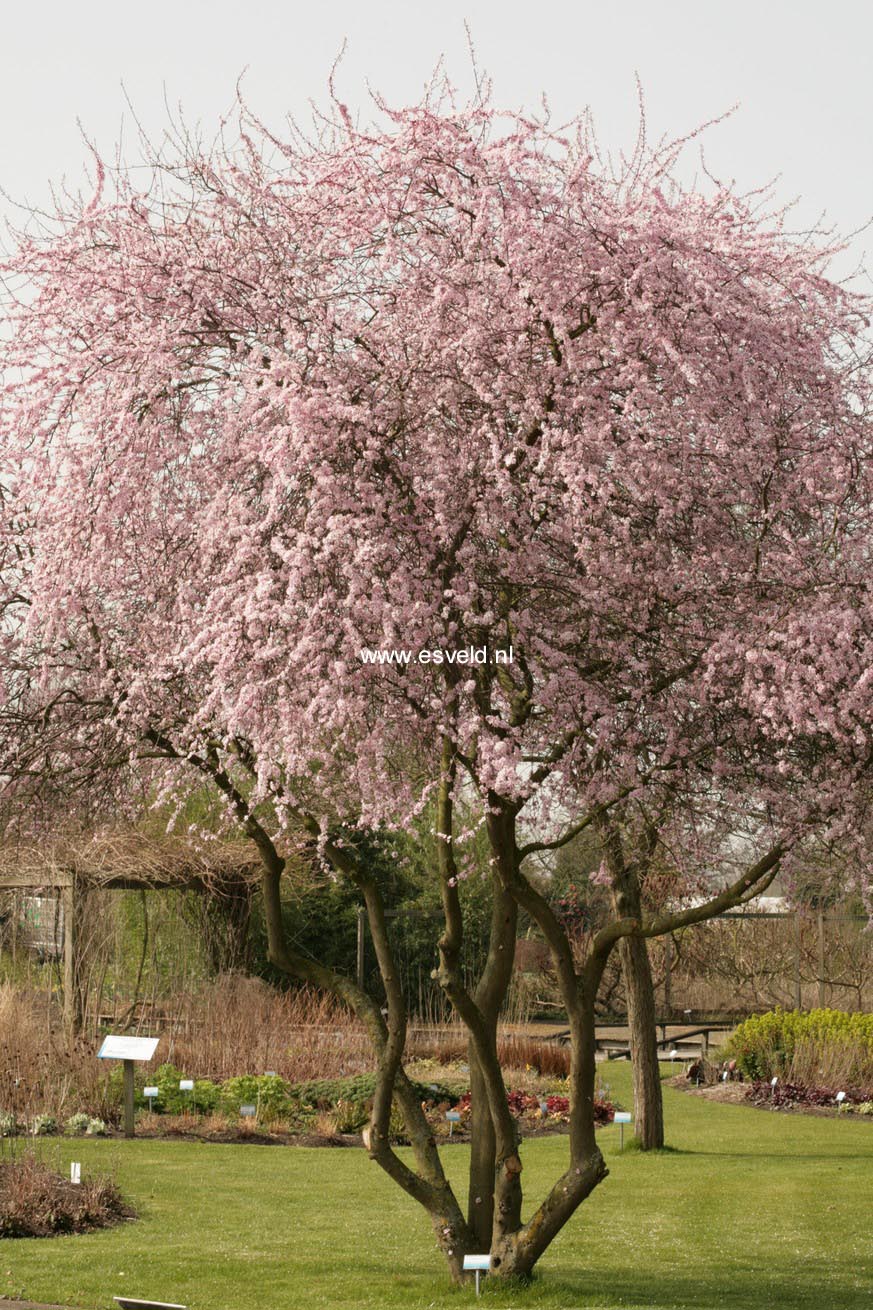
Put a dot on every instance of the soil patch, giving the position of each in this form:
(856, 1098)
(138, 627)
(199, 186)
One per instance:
(248, 1136)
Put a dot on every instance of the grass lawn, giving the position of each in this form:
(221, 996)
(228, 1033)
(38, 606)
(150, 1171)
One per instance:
(750, 1210)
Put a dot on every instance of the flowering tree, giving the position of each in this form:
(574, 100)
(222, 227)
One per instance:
(295, 411)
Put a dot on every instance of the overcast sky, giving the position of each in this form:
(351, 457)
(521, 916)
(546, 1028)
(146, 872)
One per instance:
(801, 72)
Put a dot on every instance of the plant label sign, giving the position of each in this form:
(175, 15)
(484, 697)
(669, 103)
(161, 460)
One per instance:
(478, 1264)
(248, 1111)
(621, 1117)
(186, 1084)
(151, 1093)
(128, 1048)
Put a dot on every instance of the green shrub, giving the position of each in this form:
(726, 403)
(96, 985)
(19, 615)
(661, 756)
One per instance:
(351, 1098)
(236, 1092)
(323, 1093)
(172, 1100)
(272, 1099)
(96, 1128)
(205, 1096)
(267, 1092)
(9, 1126)
(808, 1044)
(77, 1125)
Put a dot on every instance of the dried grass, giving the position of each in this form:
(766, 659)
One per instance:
(847, 1065)
(241, 1025)
(448, 1045)
(233, 1027)
(39, 1071)
(35, 1201)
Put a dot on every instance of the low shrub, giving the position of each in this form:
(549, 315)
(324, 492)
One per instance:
(9, 1126)
(170, 1099)
(267, 1093)
(811, 1047)
(77, 1125)
(35, 1201)
(325, 1093)
(787, 1095)
(44, 1125)
(526, 1103)
(350, 1116)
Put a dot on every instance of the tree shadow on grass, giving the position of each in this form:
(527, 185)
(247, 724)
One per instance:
(822, 1157)
(810, 1285)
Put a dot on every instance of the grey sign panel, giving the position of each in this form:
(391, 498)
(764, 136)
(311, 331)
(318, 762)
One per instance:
(137, 1303)
(128, 1048)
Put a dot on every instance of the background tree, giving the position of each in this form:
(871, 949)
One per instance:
(445, 383)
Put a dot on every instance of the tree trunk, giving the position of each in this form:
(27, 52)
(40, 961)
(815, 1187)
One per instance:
(648, 1103)
(73, 972)
(483, 1153)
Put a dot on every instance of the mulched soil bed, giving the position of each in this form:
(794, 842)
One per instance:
(173, 1130)
(736, 1093)
(246, 1136)
(254, 1137)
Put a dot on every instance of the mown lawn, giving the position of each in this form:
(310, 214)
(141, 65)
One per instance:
(749, 1210)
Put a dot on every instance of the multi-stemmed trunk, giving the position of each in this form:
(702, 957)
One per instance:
(513, 1246)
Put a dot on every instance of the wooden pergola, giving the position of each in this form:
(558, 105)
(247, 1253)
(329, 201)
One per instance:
(120, 860)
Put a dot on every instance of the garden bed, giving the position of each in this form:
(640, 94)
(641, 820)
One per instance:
(791, 1100)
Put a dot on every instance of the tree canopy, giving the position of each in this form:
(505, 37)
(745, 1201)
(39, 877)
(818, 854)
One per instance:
(445, 384)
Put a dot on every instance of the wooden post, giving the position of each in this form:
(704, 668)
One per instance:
(821, 961)
(798, 990)
(72, 997)
(128, 1098)
(362, 915)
